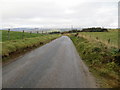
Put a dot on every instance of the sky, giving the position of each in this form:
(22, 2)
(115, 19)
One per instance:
(58, 13)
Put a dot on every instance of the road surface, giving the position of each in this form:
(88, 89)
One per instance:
(54, 65)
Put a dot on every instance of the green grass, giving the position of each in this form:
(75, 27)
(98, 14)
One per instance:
(104, 36)
(14, 35)
(102, 61)
(16, 43)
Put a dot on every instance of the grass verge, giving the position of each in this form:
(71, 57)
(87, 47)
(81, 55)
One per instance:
(18, 46)
(102, 61)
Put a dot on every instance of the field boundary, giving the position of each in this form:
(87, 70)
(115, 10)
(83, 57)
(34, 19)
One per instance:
(23, 50)
(97, 40)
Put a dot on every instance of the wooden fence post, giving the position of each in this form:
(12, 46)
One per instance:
(30, 33)
(8, 34)
(109, 40)
(23, 35)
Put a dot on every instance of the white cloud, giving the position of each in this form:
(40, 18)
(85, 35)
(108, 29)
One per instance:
(59, 13)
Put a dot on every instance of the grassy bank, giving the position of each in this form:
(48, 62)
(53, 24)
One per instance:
(110, 38)
(102, 61)
(19, 45)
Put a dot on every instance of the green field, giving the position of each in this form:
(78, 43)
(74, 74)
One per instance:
(110, 38)
(17, 43)
(14, 35)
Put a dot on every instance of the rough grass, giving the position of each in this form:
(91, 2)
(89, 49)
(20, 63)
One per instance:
(103, 62)
(14, 35)
(108, 38)
(18, 44)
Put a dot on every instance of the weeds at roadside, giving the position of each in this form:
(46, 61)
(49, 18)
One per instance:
(103, 62)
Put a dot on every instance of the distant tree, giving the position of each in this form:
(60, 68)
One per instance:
(54, 32)
(94, 30)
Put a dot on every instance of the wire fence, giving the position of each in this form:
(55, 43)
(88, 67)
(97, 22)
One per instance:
(107, 42)
(24, 34)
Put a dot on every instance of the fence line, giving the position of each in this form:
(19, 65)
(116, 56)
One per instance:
(107, 43)
(22, 34)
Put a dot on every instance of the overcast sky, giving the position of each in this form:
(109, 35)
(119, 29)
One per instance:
(59, 13)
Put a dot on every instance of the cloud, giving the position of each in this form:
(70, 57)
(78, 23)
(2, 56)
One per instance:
(59, 13)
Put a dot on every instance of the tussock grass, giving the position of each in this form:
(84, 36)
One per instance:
(110, 38)
(103, 62)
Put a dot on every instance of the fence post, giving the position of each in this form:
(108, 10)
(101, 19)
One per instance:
(42, 32)
(8, 34)
(23, 35)
(30, 33)
(109, 40)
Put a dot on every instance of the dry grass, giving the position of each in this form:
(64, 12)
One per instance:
(96, 36)
(101, 61)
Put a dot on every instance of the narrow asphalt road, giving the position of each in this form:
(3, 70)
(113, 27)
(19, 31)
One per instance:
(54, 65)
